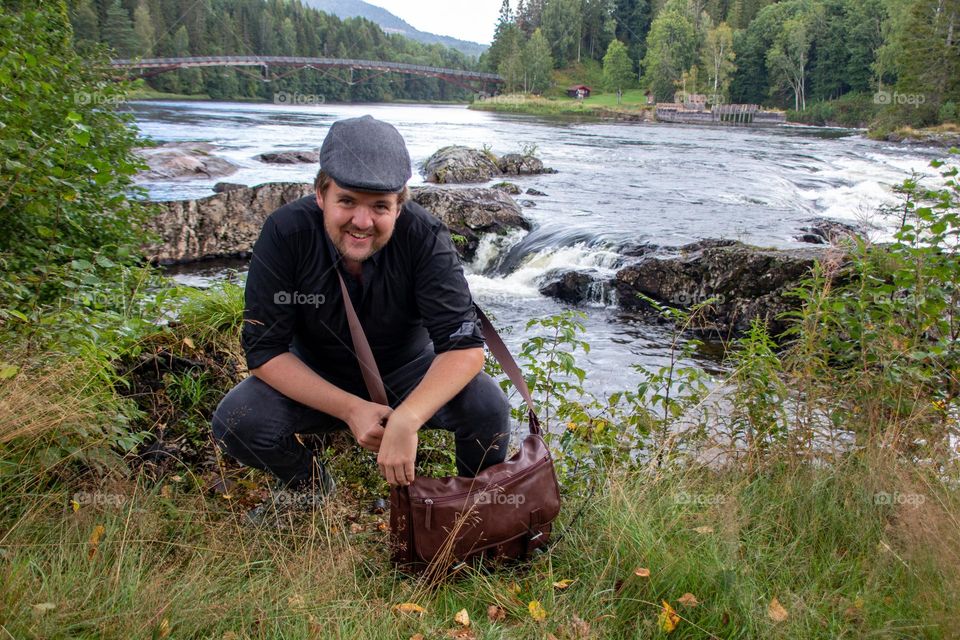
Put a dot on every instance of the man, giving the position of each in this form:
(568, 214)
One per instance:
(407, 285)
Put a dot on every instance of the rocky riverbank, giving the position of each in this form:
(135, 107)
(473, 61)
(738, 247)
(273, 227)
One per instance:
(226, 225)
(740, 282)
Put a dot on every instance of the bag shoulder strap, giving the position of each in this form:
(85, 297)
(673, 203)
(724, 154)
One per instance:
(371, 373)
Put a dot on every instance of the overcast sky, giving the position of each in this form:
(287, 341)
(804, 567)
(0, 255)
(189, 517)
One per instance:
(472, 20)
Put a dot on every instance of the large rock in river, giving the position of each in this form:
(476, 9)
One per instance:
(290, 157)
(747, 281)
(183, 160)
(457, 164)
(522, 164)
(227, 224)
(471, 213)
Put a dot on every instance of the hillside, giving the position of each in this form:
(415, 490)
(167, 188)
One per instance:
(392, 24)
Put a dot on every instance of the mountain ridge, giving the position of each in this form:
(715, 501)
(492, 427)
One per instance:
(390, 23)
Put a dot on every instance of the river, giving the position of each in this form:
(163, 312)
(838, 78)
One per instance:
(618, 185)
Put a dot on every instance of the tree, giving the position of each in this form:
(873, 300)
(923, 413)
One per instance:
(85, 25)
(512, 69)
(118, 31)
(143, 27)
(538, 62)
(68, 168)
(930, 59)
(500, 48)
(787, 59)
(599, 26)
(718, 58)
(617, 68)
(670, 51)
(632, 19)
(562, 26)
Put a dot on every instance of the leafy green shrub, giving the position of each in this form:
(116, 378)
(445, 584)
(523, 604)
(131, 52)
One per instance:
(947, 112)
(883, 334)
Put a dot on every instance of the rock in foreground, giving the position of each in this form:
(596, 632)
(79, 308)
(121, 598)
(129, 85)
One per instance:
(746, 281)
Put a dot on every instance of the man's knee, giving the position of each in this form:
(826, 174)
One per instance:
(481, 408)
(238, 420)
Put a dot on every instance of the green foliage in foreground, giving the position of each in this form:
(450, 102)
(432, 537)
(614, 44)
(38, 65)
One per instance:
(853, 536)
(839, 547)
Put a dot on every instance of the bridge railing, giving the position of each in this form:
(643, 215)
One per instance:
(237, 61)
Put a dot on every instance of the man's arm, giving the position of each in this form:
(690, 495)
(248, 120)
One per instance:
(290, 376)
(448, 374)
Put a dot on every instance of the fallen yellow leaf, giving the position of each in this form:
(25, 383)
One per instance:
(462, 618)
(643, 572)
(776, 611)
(43, 607)
(668, 618)
(75, 505)
(95, 537)
(189, 343)
(537, 612)
(163, 629)
(688, 600)
(409, 607)
(495, 613)
(563, 584)
(704, 529)
(513, 588)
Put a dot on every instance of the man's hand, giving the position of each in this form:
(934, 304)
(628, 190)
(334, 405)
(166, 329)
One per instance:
(398, 451)
(366, 420)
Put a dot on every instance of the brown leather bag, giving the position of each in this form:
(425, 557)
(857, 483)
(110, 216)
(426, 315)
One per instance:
(504, 513)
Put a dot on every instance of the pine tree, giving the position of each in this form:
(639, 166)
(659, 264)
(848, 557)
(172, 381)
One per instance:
(83, 17)
(632, 20)
(500, 48)
(930, 60)
(562, 26)
(143, 27)
(118, 31)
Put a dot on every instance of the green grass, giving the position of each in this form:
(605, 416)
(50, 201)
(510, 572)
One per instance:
(146, 93)
(597, 105)
(174, 559)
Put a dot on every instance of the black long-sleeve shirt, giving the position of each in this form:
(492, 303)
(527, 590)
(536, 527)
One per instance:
(413, 292)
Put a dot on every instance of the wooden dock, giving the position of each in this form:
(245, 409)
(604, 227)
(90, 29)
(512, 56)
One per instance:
(735, 114)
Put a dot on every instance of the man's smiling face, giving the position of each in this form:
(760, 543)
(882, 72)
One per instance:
(359, 223)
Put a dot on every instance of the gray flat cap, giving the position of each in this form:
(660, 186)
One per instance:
(365, 154)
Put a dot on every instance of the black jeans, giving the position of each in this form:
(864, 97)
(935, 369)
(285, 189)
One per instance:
(256, 424)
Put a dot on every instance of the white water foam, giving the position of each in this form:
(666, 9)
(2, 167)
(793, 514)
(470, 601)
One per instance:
(866, 186)
(524, 282)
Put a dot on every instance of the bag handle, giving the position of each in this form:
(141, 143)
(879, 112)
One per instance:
(371, 373)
